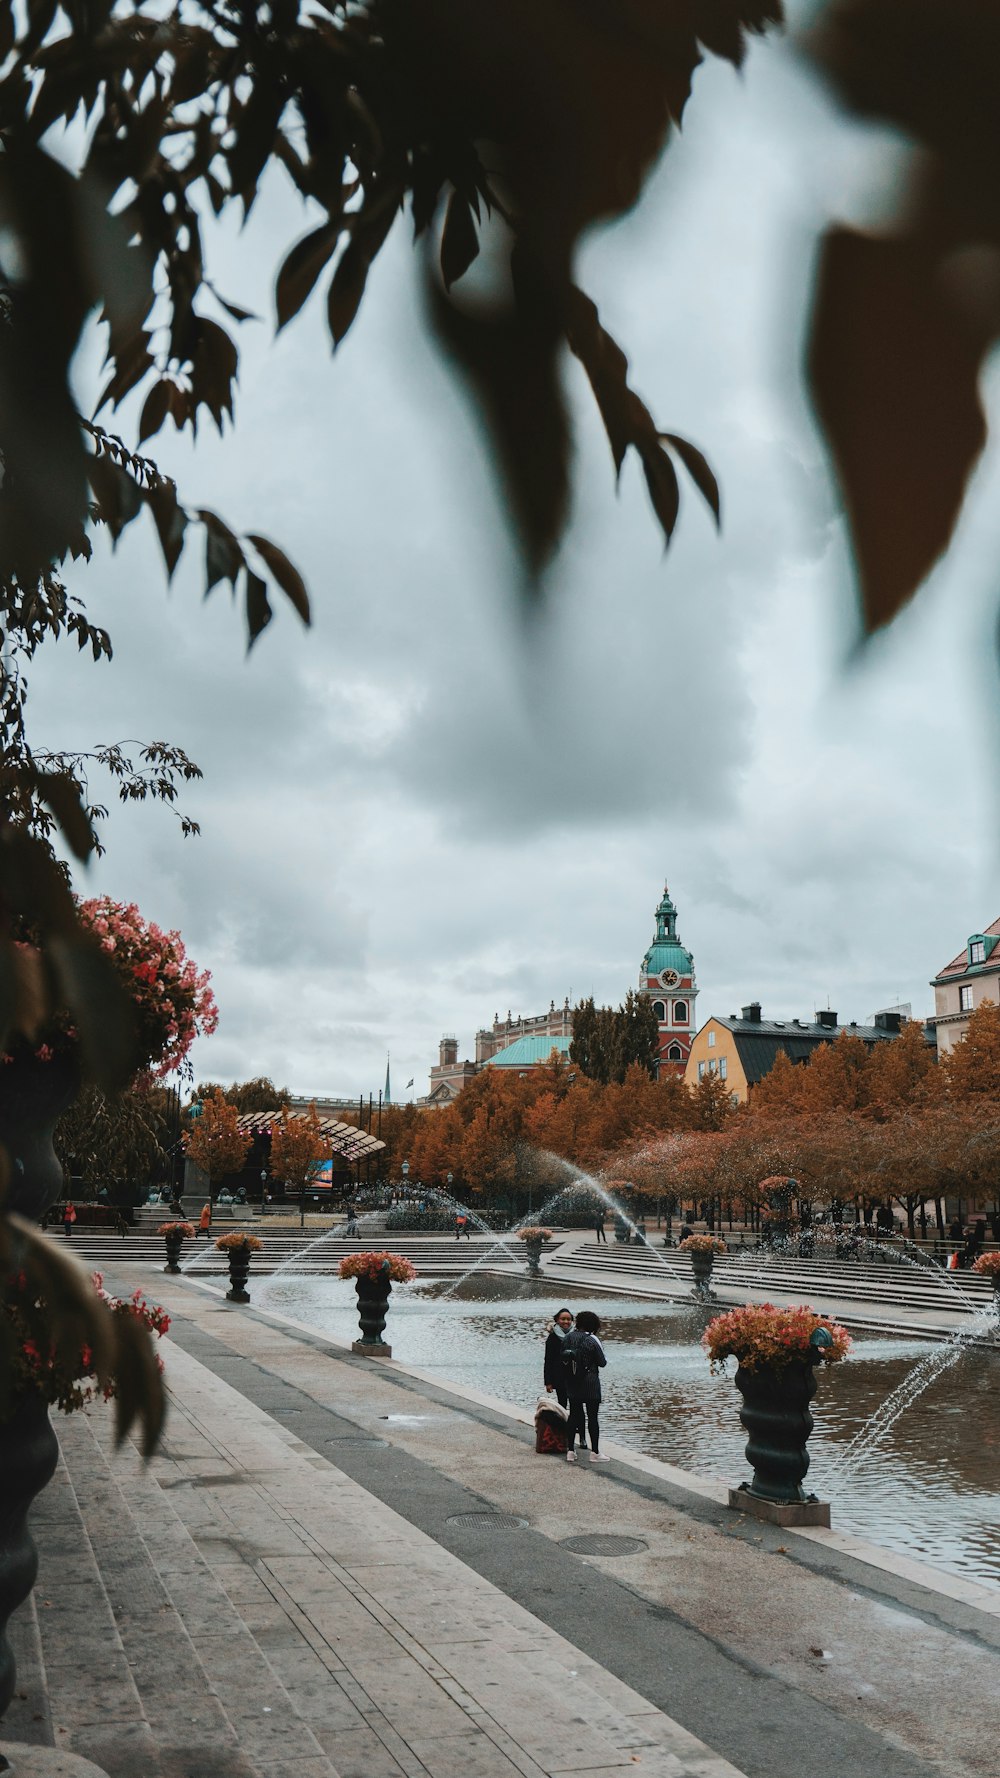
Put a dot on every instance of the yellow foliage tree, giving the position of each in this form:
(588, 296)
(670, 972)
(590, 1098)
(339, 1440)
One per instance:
(215, 1142)
(298, 1145)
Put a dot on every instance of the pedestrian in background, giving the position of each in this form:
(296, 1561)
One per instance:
(599, 1227)
(69, 1218)
(205, 1220)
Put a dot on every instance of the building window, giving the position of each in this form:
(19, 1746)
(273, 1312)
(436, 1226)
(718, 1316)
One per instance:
(674, 1054)
(701, 1070)
(659, 1012)
(977, 951)
(723, 1062)
(711, 1040)
(680, 1012)
(965, 998)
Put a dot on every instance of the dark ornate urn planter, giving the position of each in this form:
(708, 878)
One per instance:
(30, 1449)
(373, 1308)
(701, 1266)
(239, 1272)
(34, 1096)
(776, 1414)
(173, 1244)
(534, 1253)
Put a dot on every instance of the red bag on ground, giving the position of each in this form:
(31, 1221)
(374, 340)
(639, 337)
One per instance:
(550, 1427)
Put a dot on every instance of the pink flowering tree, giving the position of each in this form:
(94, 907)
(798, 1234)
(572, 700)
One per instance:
(171, 998)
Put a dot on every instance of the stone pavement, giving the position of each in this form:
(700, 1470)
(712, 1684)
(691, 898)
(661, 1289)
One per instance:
(336, 1566)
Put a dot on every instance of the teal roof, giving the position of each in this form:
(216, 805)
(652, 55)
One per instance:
(529, 1052)
(667, 954)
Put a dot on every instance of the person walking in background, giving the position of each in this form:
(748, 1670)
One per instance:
(205, 1220)
(583, 1361)
(461, 1226)
(69, 1218)
(599, 1227)
(352, 1220)
(554, 1371)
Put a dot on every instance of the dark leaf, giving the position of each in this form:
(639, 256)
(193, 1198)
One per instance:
(697, 469)
(459, 240)
(894, 371)
(259, 612)
(288, 578)
(223, 556)
(62, 794)
(101, 1009)
(661, 480)
(155, 408)
(301, 269)
(171, 523)
(346, 289)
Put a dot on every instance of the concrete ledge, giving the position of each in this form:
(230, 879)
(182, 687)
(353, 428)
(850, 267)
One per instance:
(792, 1512)
(366, 1349)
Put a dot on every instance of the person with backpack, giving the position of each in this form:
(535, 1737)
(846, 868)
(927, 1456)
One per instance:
(583, 1361)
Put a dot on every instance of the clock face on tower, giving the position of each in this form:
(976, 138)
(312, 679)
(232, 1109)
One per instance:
(670, 978)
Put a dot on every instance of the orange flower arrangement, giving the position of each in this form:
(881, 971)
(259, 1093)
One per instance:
(702, 1244)
(237, 1239)
(186, 1229)
(370, 1265)
(534, 1234)
(761, 1334)
(987, 1265)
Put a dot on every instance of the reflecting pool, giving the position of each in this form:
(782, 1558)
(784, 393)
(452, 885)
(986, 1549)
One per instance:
(928, 1490)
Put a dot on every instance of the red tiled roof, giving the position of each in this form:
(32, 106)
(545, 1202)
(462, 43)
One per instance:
(960, 964)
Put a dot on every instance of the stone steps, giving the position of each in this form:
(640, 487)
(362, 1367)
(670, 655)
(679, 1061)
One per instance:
(917, 1287)
(431, 1256)
(150, 1670)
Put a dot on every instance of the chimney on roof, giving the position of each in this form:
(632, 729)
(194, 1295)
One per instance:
(887, 1021)
(751, 1013)
(827, 1018)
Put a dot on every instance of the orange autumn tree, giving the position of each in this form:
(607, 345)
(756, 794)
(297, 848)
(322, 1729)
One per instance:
(298, 1145)
(215, 1142)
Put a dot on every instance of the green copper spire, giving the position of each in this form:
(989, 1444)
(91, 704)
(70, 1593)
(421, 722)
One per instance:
(666, 950)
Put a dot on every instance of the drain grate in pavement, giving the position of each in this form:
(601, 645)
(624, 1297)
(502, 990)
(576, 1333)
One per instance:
(599, 1543)
(489, 1521)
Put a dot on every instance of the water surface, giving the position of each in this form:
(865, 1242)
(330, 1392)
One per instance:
(928, 1490)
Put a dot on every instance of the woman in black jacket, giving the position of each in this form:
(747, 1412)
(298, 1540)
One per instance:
(583, 1361)
(555, 1372)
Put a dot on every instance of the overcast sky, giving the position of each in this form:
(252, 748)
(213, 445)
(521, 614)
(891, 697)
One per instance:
(423, 811)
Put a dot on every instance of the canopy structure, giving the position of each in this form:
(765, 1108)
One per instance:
(346, 1140)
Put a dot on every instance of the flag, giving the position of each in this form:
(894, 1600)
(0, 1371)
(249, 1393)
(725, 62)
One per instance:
(409, 1083)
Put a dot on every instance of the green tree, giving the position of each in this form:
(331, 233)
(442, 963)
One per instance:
(121, 1141)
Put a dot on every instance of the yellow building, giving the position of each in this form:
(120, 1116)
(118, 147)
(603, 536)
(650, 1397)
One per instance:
(742, 1050)
(964, 983)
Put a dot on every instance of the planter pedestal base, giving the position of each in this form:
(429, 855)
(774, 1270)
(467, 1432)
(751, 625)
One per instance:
(784, 1512)
(371, 1349)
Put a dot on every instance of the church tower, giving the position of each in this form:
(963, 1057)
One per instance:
(667, 977)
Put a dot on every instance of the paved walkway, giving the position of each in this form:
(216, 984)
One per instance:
(303, 1584)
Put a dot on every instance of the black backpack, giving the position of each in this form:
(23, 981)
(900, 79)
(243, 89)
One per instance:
(576, 1357)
